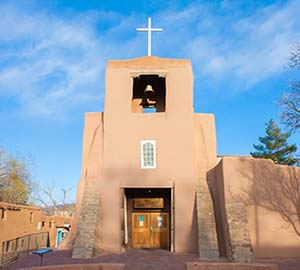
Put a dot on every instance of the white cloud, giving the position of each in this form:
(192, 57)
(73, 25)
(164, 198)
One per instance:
(52, 63)
(248, 49)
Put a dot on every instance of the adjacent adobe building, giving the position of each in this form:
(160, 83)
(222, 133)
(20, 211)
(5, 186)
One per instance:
(24, 228)
(151, 177)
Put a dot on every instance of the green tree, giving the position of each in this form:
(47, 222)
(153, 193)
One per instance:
(275, 146)
(16, 181)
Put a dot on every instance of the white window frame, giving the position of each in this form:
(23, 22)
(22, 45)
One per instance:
(143, 142)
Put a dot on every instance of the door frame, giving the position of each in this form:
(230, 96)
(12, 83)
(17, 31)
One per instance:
(171, 214)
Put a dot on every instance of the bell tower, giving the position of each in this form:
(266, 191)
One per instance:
(143, 160)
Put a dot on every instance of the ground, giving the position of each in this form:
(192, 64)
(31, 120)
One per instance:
(136, 260)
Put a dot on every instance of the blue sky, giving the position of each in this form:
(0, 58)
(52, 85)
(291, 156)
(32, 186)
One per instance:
(53, 56)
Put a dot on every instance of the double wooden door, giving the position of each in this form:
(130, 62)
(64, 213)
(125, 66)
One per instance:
(150, 230)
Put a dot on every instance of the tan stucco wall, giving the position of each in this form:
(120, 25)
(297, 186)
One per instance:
(269, 235)
(173, 131)
(91, 158)
(205, 144)
(185, 143)
(17, 222)
(186, 159)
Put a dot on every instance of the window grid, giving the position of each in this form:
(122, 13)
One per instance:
(148, 155)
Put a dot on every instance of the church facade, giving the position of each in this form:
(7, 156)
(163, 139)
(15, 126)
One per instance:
(151, 177)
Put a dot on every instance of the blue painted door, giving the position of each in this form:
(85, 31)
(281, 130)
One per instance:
(59, 236)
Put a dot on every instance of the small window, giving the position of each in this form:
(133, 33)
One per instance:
(148, 154)
(31, 217)
(43, 223)
(22, 243)
(7, 246)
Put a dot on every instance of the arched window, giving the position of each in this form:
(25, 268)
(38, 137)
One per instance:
(148, 154)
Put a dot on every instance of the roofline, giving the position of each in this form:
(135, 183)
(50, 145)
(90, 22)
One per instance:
(12, 205)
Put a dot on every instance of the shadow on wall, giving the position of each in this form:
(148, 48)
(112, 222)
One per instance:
(275, 188)
(216, 188)
(272, 196)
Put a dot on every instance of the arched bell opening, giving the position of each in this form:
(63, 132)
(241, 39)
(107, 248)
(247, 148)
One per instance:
(149, 94)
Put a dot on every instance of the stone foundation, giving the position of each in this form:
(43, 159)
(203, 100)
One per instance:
(87, 236)
(239, 233)
(207, 234)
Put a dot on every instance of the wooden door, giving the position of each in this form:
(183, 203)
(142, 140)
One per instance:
(141, 230)
(150, 230)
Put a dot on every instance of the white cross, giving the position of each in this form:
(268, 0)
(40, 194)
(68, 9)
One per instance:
(149, 30)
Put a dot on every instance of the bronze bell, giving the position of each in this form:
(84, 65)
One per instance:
(149, 90)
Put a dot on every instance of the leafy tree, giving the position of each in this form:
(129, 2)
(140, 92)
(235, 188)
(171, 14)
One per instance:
(290, 101)
(15, 179)
(275, 146)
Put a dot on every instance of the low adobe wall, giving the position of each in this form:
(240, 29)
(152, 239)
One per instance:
(268, 232)
(229, 266)
(92, 266)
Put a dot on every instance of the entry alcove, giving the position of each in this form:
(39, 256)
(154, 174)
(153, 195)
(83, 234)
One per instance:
(148, 217)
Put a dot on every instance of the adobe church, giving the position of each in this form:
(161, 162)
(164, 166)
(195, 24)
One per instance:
(151, 177)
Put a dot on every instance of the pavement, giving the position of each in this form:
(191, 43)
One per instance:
(136, 259)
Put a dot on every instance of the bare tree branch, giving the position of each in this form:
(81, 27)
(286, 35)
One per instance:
(290, 102)
(281, 194)
(65, 191)
(48, 197)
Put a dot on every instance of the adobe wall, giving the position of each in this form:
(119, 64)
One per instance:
(205, 142)
(205, 149)
(56, 223)
(17, 221)
(173, 131)
(93, 125)
(269, 235)
(185, 143)
(87, 225)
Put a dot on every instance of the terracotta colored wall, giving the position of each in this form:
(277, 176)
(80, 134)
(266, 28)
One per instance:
(17, 222)
(56, 223)
(269, 235)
